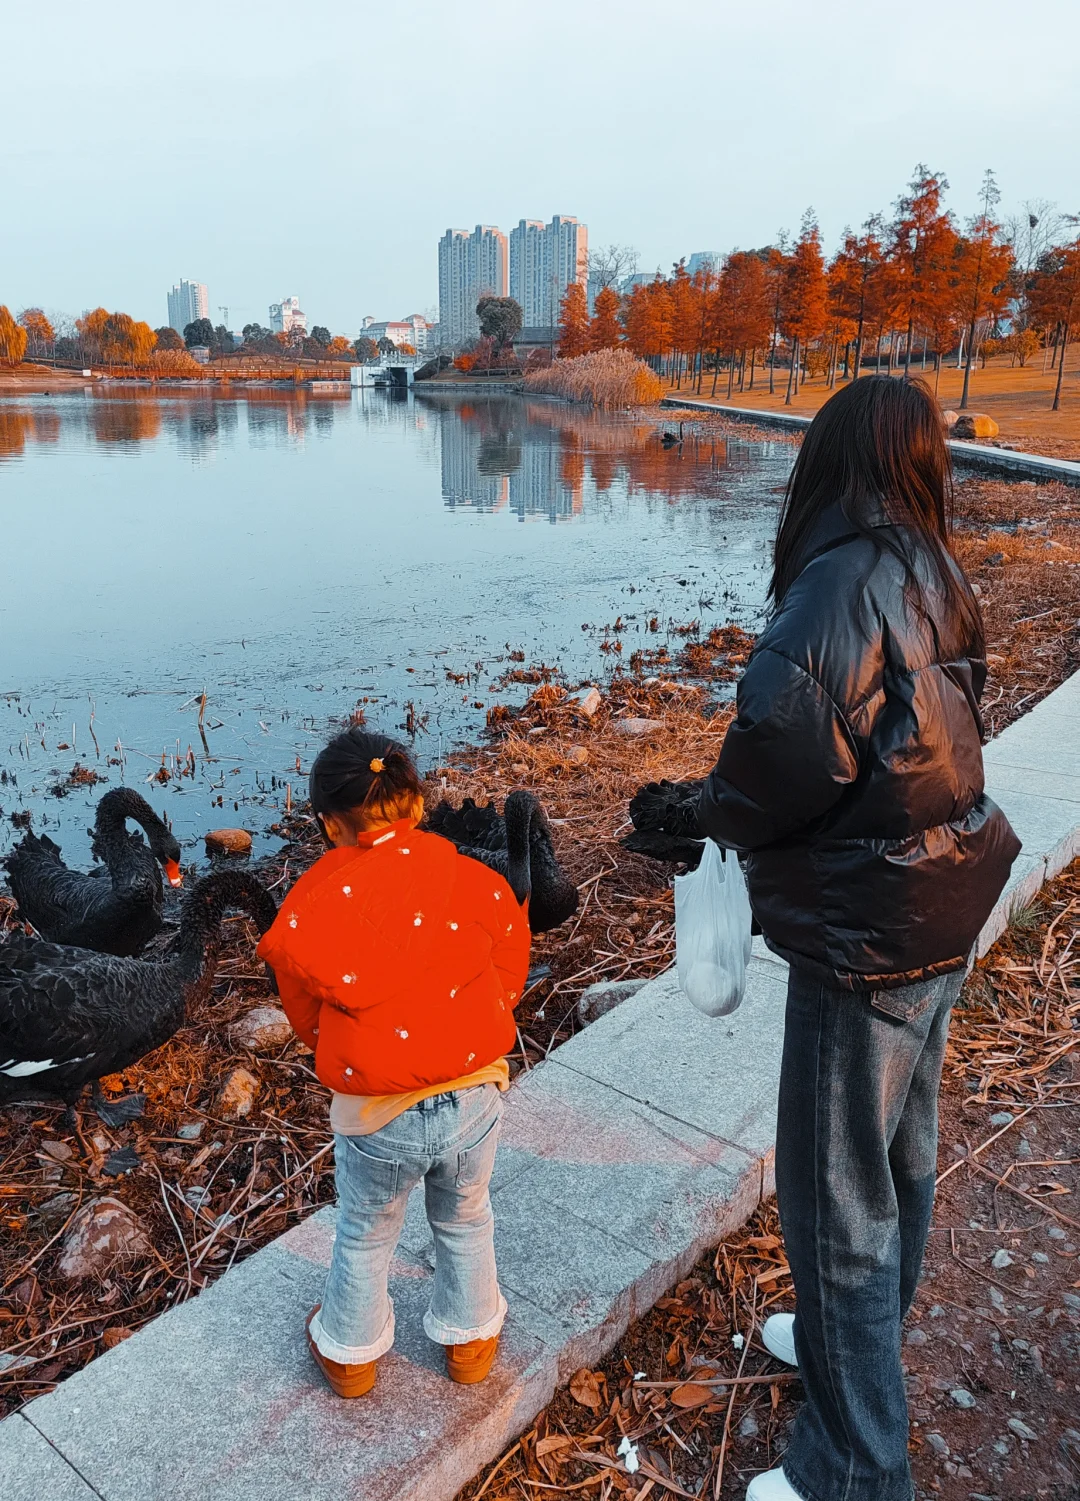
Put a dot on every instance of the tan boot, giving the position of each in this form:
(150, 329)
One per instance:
(346, 1380)
(470, 1363)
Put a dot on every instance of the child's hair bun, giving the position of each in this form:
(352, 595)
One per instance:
(377, 765)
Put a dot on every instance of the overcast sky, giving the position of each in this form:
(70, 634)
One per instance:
(320, 150)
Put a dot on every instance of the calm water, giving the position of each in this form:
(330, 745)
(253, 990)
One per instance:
(297, 555)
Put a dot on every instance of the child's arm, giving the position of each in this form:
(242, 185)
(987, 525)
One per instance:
(299, 997)
(511, 941)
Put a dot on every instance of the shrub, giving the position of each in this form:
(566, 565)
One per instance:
(607, 378)
(174, 362)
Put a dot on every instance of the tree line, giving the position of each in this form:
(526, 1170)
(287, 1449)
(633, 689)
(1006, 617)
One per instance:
(913, 287)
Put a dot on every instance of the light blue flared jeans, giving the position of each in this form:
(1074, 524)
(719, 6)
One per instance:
(449, 1142)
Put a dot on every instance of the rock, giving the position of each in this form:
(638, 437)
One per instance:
(1055, 1232)
(748, 1428)
(597, 1000)
(1040, 1257)
(228, 842)
(264, 1027)
(1002, 1118)
(1071, 1301)
(937, 1312)
(938, 1444)
(962, 1397)
(1023, 1148)
(917, 1337)
(1021, 1429)
(59, 1151)
(590, 703)
(632, 728)
(103, 1232)
(190, 1130)
(950, 418)
(578, 755)
(1001, 1259)
(236, 1097)
(974, 425)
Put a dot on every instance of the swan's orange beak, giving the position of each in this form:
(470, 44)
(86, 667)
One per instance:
(173, 873)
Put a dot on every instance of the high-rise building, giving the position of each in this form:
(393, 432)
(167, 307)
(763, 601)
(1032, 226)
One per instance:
(470, 267)
(187, 302)
(544, 260)
(705, 260)
(286, 317)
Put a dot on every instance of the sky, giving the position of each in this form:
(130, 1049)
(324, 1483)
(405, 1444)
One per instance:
(275, 149)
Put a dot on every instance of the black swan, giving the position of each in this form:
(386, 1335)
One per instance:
(68, 1016)
(116, 908)
(516, 843)
(669, 440)
(665, 819)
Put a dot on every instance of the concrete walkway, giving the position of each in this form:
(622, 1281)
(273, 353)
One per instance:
(637, 1146)
(981, 456)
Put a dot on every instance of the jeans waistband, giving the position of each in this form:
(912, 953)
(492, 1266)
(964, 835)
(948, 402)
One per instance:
(451, 1097)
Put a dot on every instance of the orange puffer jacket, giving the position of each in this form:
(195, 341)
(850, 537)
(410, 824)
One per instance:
(399, 961)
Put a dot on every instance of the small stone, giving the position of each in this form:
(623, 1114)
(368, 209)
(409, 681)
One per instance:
(236, 1097)
(590, 703)
(748, 1428)
(1040, 1257)
(962, 1397)
(937, 1312)
(1001, 1259)
(1021, 1345)
(950, 418)
(1001, 1446)
(1071, 1301)
(262, 1028)
(634, 728)
(1002, 1118)
(1023, 1148)
(228, 842)
(103, 1232)
(1055, 1232)
(963, 1473)
(59, 1151)
(1021, 1429)
(58, 1206)
(190, 1130)
(578, 756)
(938, 1444)
(917, 1337)
(998, 1300)
(598, 999)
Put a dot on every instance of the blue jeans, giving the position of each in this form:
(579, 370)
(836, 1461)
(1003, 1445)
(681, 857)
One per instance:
(856, 1158)
(449, 1141)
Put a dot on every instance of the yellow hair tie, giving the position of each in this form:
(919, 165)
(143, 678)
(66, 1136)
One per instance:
(377, 765)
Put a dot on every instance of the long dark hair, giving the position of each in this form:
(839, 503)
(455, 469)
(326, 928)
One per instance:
(879, 443)
(365, 775)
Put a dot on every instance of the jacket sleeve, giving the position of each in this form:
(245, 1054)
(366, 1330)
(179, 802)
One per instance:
(300, 998)
(506, 922)
(786, 759)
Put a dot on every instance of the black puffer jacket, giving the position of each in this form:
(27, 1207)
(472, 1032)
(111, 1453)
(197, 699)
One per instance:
(852, 774)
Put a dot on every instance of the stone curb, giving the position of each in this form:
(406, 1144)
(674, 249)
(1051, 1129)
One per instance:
(978, 456)
(636, 1147)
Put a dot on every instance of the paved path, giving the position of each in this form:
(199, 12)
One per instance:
(638, 1145)
(982, 456)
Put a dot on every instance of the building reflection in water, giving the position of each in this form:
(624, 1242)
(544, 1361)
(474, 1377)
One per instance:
(541, 458)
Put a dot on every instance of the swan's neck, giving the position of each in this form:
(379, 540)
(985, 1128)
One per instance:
(518, 816)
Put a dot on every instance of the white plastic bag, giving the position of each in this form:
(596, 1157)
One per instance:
(712, 932)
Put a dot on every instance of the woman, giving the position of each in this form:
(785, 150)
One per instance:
(852, 780)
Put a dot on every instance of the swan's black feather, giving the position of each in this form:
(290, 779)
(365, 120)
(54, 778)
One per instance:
(673, 847)
(117, 915)
(668, 808)
(69, 1015)
(525, 855)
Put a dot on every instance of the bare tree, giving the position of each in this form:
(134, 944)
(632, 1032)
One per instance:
(610, 265)
(1034, 229)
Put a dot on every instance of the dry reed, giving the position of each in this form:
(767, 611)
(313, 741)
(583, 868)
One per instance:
(608, 378)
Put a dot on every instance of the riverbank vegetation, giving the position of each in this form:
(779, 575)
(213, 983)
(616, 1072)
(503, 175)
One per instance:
(607, 378)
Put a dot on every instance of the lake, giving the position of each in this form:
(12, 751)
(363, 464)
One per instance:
(295, 556)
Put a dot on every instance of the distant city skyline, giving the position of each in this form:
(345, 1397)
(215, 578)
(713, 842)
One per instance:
(267, 171)
(471, 264)
(544, 260)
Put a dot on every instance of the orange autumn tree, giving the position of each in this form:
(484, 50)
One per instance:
(922, 253)
(605, 331)
(806, 309)
(982, 267)
(573, 322)
(91, 330)
(12, 338)
(684, 320)
(39, 331)
(648, 319)
(1055, 301)
(776, 269)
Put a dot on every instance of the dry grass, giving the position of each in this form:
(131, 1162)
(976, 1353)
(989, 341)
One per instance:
(609, 378)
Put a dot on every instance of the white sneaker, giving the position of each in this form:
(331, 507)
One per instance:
(778, 1337)
(772, 1485)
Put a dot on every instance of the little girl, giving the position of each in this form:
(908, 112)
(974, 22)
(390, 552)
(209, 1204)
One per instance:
(399, 962)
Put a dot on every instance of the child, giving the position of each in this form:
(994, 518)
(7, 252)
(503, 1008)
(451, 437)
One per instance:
(400, 961)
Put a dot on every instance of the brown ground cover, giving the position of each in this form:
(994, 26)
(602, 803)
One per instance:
(1018, 399)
